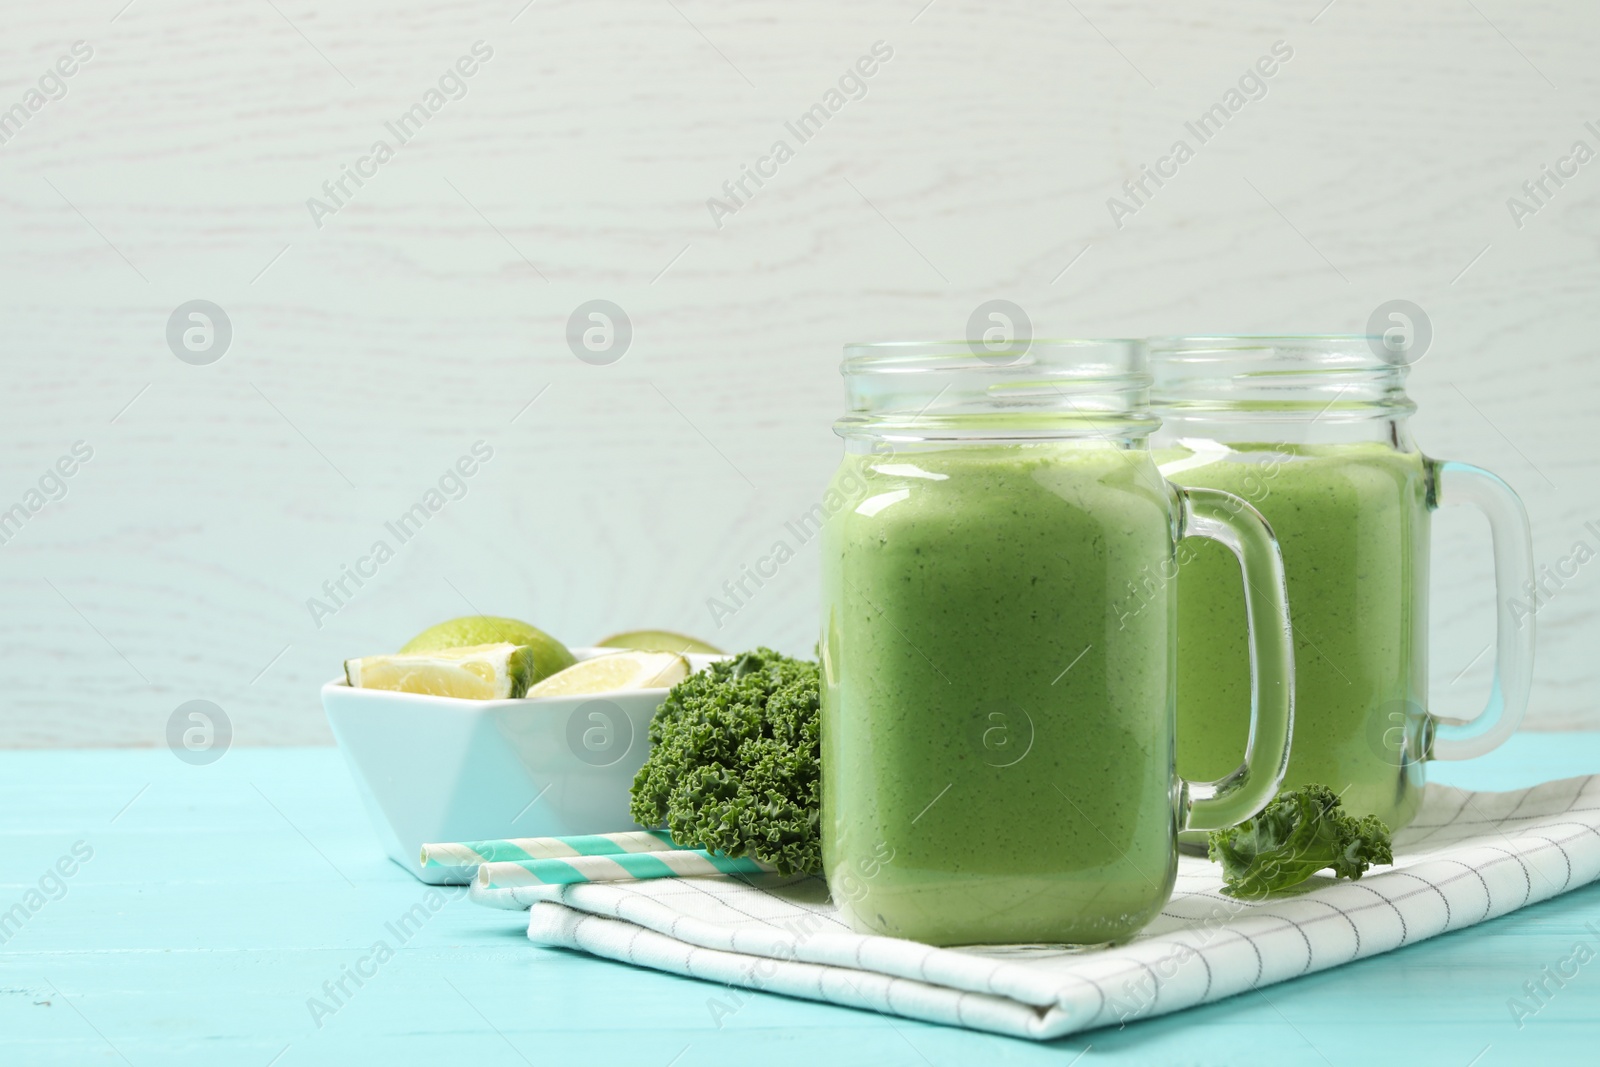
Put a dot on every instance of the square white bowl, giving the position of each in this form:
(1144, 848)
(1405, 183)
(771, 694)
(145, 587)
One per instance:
(440, 769)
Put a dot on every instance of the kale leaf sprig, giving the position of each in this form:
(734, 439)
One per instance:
(735, 762)
(1300, 833)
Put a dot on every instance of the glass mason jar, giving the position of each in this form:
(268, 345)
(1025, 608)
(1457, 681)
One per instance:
(998, 648)
(1312, 431)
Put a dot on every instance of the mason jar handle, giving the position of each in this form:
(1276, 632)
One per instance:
(1231, 521)
(1462, 483)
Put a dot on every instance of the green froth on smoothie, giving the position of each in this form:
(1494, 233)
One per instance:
(997, 756)
(1353, 524)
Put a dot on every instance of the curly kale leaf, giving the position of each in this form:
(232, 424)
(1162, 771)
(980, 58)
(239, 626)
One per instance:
(1300, 833)
(735, 762)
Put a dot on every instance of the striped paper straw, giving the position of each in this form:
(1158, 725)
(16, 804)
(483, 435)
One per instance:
(472, 853)
(621, 867)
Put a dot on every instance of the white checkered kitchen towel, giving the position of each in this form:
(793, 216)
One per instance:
(1467, 858)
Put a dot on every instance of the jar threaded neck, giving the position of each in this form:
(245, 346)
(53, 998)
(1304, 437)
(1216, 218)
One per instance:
(1333, 378)
(1021, 390)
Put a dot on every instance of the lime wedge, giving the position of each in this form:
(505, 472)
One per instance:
(477, 672)
(549, 655)
(659, 641)
(613, 672)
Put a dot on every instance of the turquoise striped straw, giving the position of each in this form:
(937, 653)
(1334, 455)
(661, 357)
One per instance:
(473, 853)
(619, 867)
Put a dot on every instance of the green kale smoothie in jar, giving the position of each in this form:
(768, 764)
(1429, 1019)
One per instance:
(998, 742)
(1312, 431)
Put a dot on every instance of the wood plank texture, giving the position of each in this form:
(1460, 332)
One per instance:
(425, 314)
(219, 899)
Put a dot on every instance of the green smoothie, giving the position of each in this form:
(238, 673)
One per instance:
(1352, 521)
(997, 741)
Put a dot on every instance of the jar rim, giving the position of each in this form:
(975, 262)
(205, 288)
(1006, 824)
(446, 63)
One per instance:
(1329, 337)
(965, 343)
(1356, 350)
(865, 353)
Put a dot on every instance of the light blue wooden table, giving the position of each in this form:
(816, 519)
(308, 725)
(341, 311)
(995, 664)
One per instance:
(218, 900)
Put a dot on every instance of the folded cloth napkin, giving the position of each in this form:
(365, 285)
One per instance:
(1467, 857)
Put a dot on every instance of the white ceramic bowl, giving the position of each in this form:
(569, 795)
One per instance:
(440, 769)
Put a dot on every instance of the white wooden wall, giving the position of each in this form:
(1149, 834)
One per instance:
(424, 315)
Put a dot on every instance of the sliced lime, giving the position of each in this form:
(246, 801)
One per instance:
(549, 655)
(476, 672)
(613, 672)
